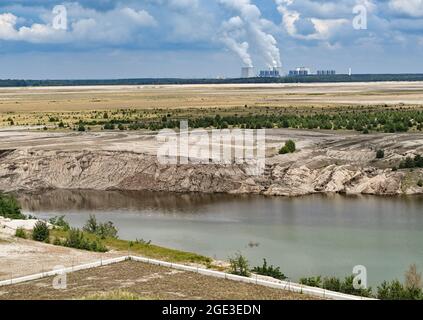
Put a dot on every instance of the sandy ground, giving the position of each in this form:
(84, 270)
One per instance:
(146, 281)
(19, 257)
(49, 99)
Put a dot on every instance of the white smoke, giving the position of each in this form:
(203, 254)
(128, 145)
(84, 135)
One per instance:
(324, 29)
(231, 31)
(266, 43)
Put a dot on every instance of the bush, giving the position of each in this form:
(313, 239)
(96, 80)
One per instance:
(312, 281)
(81, 127)
(289, 147)
(380, 154)
(332, 284)
(76, 239)
(335, 284)
(420, 183)
(20, 233)
(10, 208)
(395, 290)
(239, 265)
(270, 271)
(347, 286)
(103, 230)
(109, 126)
(60, 222)
(40, 232)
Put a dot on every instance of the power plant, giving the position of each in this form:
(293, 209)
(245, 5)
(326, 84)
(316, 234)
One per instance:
(247, 72)
(272, 73)
(326, 72)
(301, 71)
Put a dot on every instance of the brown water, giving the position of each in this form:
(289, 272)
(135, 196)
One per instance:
(326, 235)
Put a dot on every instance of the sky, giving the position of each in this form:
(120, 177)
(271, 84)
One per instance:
(98, 39)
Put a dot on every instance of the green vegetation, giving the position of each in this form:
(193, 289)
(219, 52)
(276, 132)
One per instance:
(163, 81)
(9, 207)
(395, 290)
(410, 163)
(76, 239)
(20, 233)
(41, 232)
(380, 119)
(60, 222)
(289, 147)
(335, 284)
(239, 265)
(270, 271)
(103, 230)
(380, 154)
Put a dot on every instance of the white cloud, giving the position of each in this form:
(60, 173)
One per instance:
(412, 8)
(114, 26)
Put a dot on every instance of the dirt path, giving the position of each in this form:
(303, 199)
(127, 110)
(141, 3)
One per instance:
(19, 257)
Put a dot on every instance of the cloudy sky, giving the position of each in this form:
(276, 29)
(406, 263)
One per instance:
(46, 39)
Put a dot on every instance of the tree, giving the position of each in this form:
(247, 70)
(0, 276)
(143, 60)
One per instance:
(413, 278)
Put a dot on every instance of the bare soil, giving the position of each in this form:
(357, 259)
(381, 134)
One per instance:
(146, 281)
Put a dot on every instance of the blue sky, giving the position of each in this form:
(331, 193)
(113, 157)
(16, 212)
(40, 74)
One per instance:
(206, 38)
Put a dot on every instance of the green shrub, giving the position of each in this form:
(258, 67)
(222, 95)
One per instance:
(9, 207)
(60, 222)
(420, 183)
(395, 290)
(103, 230)
(239, 265)
(312, 281)
(81, 127)
(347, 286)
(289, 147)
(270, 271)
(332, 284)
(20, 233)
(40, 232)
(76, 239)
(380, 154)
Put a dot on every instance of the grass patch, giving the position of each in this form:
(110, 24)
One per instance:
(115, 295)
(144, 249)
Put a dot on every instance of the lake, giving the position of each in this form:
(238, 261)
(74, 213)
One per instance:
(305, 236)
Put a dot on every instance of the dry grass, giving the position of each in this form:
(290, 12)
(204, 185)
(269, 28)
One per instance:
(36, 105)
(144, 281)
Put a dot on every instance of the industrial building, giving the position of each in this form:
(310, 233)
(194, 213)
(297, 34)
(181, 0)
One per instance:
(301, 71)
(272, 73)
(326, 72)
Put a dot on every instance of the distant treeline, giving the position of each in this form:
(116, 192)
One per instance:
(163, 81)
